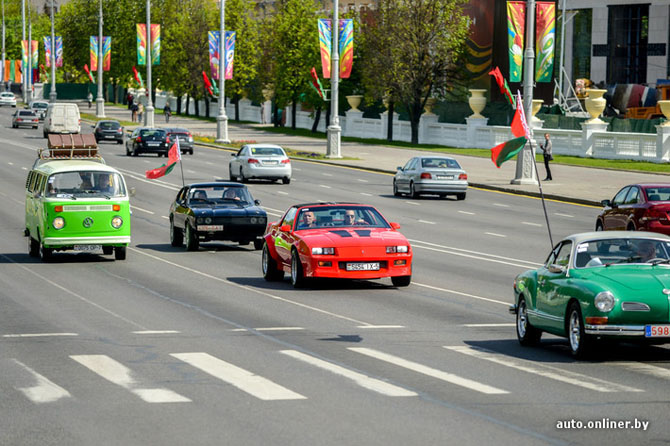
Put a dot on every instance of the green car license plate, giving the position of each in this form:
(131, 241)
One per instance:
(87, 247)
(657, 331)
(372, 266)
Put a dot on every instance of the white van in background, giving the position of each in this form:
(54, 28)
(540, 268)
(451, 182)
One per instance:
(62, 117)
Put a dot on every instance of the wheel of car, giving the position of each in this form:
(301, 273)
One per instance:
(286, 180)
(241, 177)
(191, 238)
(525, 332)
(135, 152)
(46, 254)
(412, 191)
(230, 174)
(107, 250)
(34, 126)
(176, 235)
(45, 134)
(258, 244)
(442, 195)
(599, 226)
(297, 275)
(120, 253)
(190, 152)
(269, 266)
(580, 342)
(400, 281)
(33, 247)
(460, 196)
(395, 189)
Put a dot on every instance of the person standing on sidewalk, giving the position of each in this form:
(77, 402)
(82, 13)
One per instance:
(140, 111)
(167, 111)
(546, 151)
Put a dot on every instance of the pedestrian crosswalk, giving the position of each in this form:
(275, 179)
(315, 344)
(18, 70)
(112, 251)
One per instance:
(31, 381)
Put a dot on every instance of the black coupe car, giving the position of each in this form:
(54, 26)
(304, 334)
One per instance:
(148, 140)
(204, 212)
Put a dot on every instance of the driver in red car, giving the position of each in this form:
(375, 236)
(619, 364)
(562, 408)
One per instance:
(308, 220)
(350, 219)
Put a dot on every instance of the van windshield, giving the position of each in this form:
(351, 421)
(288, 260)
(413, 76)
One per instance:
(83, 183)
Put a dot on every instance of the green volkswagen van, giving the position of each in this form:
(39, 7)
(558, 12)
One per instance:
(74, 201)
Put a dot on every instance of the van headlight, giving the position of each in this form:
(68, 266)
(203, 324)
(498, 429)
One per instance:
(58, 223)
(604, 301)
(117, 222)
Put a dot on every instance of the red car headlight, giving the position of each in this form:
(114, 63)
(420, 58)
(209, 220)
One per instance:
(323, 251)
(397, 249)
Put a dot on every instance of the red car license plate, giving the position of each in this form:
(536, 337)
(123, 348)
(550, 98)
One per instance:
(372, 266)
(657, 331)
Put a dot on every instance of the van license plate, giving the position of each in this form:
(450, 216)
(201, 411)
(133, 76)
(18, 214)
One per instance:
(87, 247)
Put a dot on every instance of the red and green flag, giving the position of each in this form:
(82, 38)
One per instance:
(502, 84)
(88, 72)
(507, 150)
(174, 156)
(316, 83)
(519, 124)
(138, 77)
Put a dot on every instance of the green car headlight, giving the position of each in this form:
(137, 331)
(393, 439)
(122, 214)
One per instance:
(117, 222)
(58, 223)
(604, 301)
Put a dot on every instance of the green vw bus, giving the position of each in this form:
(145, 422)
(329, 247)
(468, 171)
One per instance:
(74, 201)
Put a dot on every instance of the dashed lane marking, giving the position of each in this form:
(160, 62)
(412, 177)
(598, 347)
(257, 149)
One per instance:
(494, 234)
(531, 223)
(38, 335)
(44, 391)
(143, 210)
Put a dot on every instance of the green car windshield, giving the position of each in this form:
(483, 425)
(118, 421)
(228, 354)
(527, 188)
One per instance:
(615, 251)
(85, 184)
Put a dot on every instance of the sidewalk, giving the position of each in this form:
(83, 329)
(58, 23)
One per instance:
(571, 183)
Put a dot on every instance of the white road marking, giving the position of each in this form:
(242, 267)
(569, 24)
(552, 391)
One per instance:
(530, 223)
(362, 181)
(555, 373)
(37, 335)
(494, 234)
(466, 213)
(324, 186)
(297, 169)
(143, 210)
(564, 215)
(429, 371)
(277, 214)
(44, 391)
(474, 254)
(380, 326)
(148, 332)
(281, 192)
(24, 168)
(489, 325)
(501, 205)
(165, 217)
(327, 174)
(274, 210)
(187, 170)
(11, 164)
(647, 369)
(206, 162)
(461, 294)
(244, 380)
(362, 380)
(366, 194)
(120, 375)
(269, 329)
(427, 222)
(413, 203)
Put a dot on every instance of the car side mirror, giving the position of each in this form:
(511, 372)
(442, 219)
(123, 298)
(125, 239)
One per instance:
(285, 228)
(606, 203)
(395, 225)
(556, 269)
(132, 191)
(257, 202)
(399, 168)
(233, 155)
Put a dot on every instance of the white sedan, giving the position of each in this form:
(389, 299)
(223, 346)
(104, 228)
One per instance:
(7, 98)
(262, 161)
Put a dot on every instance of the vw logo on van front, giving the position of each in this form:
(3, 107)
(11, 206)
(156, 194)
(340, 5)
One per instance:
(88, 222)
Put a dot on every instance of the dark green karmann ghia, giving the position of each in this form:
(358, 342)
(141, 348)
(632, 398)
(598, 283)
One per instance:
(613, 284)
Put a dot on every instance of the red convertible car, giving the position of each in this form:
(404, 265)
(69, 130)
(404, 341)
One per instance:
(336, 240)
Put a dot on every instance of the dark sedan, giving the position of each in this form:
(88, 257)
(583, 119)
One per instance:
(637, 207)
(148, 140)
(108, 131)
(219, 211)
(185, 138)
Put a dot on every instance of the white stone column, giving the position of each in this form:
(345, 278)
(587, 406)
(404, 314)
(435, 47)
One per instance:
(427, 119)
(663, 143)
(385, 123)
(473, 124)
(588, 129)
(349, 127)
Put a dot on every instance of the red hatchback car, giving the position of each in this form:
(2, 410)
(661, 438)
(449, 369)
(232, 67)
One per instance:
(336, 240)
(637, 207)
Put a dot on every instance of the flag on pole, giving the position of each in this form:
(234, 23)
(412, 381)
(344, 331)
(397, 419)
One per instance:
(138, 77)
(502, 84)
(507, 150)
(174, 156)
(316, 83)
(519, 124)
(88, 72)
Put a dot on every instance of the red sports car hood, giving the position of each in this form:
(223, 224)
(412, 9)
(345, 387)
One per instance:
(352, 237)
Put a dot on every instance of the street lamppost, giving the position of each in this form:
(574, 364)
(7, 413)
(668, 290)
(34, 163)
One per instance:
(24, 74)
(29, 74)
(100, 100)
(222, 119)
(52, 93)
(525, 163)
(149, 109)
(2, 70)
(334, 129)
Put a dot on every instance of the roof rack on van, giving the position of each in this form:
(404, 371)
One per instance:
(71, 146)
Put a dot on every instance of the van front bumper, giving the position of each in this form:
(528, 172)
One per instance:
(61, 242)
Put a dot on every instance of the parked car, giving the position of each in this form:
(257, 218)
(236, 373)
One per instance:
(7, 98)
(62, 117)
(25, 118)
(185, 138)
(335, 240)
(108, 131)
(637, 207)
(203, 212)
(40, 108)
(595, 285)
(148, 140)
(438, 175)
(260, 161)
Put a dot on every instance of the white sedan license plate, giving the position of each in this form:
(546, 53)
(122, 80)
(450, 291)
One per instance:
(372, 266)
(210, 227)
(87, 247)
(270, 163)
(445, 177)
(657, 331)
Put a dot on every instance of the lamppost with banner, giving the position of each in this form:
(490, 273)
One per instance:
(100, 100)
(2, 70)
(334, 129)
(222, 119)
(52, 93)
(149, 109)
(24, 74)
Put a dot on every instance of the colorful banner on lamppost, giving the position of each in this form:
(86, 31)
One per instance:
(545, 40)
(516, 19)
(345, 43)
(34, 52)
(13, 71)
(142, 44)
(106, 53)
(214, 54)
(47, 50)
(59, 51)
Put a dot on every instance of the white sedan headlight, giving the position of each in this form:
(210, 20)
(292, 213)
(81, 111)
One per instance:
(323, 251)
(604, 301)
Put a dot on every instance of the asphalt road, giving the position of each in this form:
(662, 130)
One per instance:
(172, 347)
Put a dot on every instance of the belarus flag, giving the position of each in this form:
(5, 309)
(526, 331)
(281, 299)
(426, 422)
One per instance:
(174, 155)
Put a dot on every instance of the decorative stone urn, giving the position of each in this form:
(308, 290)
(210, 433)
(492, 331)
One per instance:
(354, 101)
(267, 93)
(665, 109)
(477, 102)
(595, 105)
(430, 103)
(534, 121)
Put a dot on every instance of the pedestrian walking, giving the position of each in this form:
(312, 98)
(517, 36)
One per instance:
(133, 112)
(89, 98)
(140, 111)
(546, 152)
(167, 111)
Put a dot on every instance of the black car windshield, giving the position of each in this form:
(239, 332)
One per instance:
(616, 251)
(39, 105)
(26, 113)
(340, 216)
(228, 195)
(85, 184)
(109, 125)
(440, 163)
(152, 133)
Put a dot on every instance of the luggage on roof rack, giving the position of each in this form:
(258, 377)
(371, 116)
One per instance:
(71, 146)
